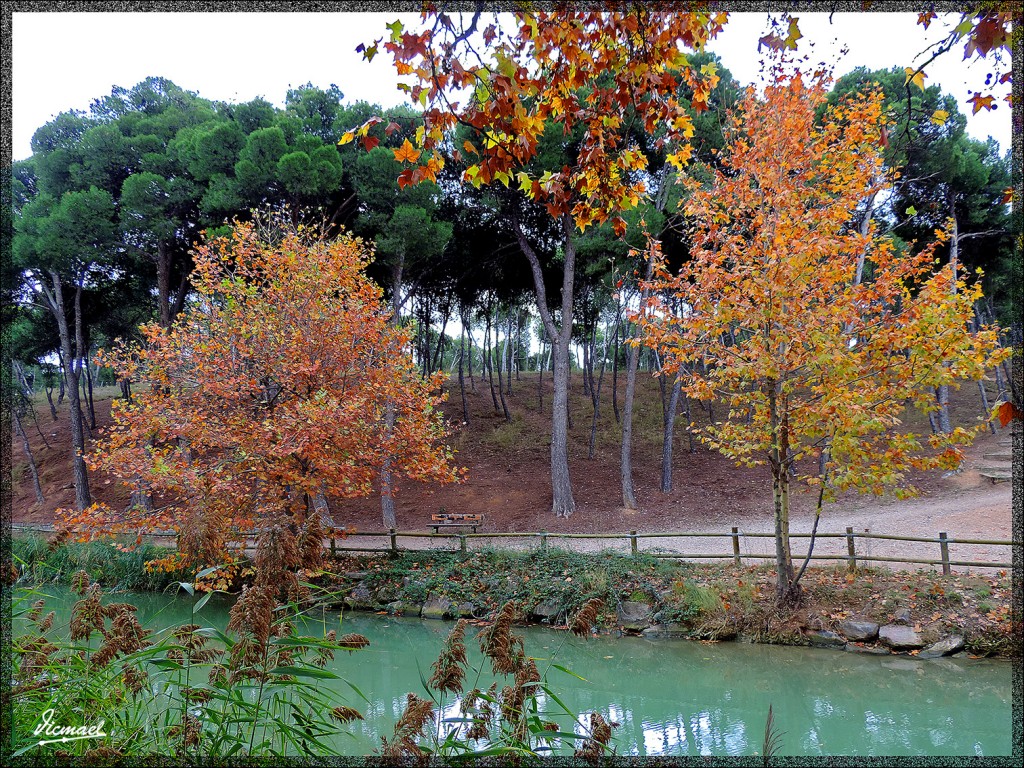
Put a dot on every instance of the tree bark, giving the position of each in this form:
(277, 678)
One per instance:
(628, 497)
(163, 284)
(787, 592)
(615, 371)
(942, 391)
(20, 431)
(562, 503)
(469, 333)
(626, 454)
(508, 355)
(387, 499)
(92, 404)
(501, 364)
(80, 353)
(49, 398)
(666, 445)
(82, 496)
(61, 379)
(439, 349)
(597, 398)
(541, 365)
(462, 379)
(488, 362)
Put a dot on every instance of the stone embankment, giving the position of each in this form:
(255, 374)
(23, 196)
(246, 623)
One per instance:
(646, 619)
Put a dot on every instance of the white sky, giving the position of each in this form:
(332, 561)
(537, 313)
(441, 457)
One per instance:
(63, 61)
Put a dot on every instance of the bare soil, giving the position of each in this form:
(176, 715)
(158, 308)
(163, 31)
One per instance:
(508, 471)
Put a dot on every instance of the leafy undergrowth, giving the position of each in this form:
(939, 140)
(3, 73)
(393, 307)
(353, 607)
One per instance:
(713, 601)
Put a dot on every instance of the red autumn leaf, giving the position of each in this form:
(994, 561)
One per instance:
(1007, 412)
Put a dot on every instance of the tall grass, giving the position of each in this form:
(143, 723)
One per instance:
(186, 692)
(41, 563)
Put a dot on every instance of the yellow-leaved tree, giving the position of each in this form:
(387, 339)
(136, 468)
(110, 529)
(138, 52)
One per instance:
(812, 360)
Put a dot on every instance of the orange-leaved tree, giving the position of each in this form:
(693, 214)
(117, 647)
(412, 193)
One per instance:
(813, 362)
(552, 101)
(268, 392)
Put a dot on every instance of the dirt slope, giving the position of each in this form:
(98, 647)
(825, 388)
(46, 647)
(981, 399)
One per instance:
(508, 471)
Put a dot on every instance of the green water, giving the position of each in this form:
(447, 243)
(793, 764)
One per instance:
(677, 697)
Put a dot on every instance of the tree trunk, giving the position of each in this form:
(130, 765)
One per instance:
(82, 496)
(20, 431)
(508, 356)
(615, 371)
(179, 298)
(489, 363)
(163, 284)
(439, 349)
(49, 399)
(541, 365)
(80, 353)
(786, 591)
(666, 445)
(628, 497)
(92, 404)
(323, 509)
(597, 397)
(387, 499)
(587, 381)
(462, 380)
(501, 384)
(517, 350)
(689, 431)
(562, 503)
(61, 379)
(942, 391)
(469, 333)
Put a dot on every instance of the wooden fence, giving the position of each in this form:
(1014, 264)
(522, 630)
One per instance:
(390, 544)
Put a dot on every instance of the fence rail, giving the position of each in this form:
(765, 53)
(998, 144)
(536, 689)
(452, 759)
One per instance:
(851, 556)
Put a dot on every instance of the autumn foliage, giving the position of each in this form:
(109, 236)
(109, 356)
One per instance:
(608, 71)
(269, 390)
(811, 359)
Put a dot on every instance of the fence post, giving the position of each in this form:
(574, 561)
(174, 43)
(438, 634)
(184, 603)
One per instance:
(543, 541)
(462, 543)
(851, 560)
(394, 542)
(632, 543)
(944, 549)
(736, 545)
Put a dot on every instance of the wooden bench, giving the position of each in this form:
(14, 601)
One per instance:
(455, 520)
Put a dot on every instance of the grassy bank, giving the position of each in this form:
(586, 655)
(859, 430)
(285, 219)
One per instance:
(40, 563)
(700, 601)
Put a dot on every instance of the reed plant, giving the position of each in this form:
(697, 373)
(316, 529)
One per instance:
(189, 692)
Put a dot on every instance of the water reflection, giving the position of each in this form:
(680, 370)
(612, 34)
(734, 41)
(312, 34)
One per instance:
(677, 697)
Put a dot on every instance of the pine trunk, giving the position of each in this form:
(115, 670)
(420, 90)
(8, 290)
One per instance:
(562, 503)
(462, 379)
(20, 431)
(666, 445)
(82, 496)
